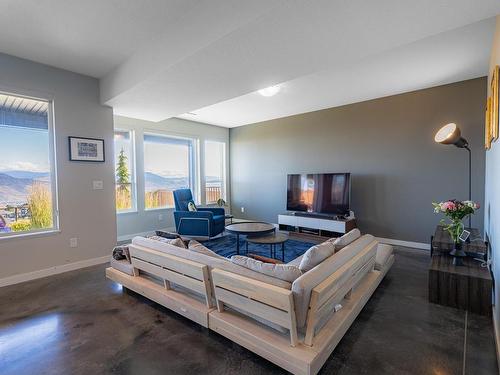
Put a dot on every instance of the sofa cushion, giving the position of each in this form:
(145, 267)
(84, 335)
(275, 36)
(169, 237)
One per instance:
(199, 248)
(279, 271)
(303, 286)
(296, 261)
(346, 239)
(212, 262)
(384, 251)
(316, 254)
(172, 241)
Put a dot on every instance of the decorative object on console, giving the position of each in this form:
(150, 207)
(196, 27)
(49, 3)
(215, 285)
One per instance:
(86, 149)
(221, 202)
(456, 211)
(450, 134)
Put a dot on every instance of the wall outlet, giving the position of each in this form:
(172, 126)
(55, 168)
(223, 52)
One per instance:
(73, 242)
(97, 185)
(160, 217)
(242, 209)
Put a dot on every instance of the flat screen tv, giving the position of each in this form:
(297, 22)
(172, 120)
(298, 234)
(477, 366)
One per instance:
(320, 193)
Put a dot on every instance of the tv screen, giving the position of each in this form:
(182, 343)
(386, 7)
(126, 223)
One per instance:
(322, 193)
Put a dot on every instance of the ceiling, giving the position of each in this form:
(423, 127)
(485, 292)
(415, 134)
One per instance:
(163, 58)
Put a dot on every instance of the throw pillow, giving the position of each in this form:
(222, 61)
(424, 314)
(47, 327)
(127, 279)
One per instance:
(346, 239)
(192, 207)
(199, 248)
(278, 271)
(176, 241)
(315, 255)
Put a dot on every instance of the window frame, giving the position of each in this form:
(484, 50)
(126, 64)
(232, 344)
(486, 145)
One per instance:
(224, 169)
(133, 170)
(193, 165)
(52, 149)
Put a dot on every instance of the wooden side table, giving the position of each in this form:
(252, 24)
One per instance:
(467, 287)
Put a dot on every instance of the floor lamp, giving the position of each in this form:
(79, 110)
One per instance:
(450, 135)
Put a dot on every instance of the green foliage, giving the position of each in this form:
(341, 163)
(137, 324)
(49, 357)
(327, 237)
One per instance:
(122, 173)
(20, 226)
(40, 205)
(221, 202)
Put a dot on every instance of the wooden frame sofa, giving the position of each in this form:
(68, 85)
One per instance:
(295, 325)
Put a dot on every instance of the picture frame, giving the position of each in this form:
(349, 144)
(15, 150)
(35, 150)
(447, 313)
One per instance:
(494, 125)
(487, 125)
(86, 149)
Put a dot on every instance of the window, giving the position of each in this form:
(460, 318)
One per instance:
(215, 171)
(27, 181)
(124, 171)
(168, 165)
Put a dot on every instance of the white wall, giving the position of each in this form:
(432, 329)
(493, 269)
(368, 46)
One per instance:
(142, 221)
(492, 189)
(86, 214)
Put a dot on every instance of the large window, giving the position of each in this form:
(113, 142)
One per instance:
(168, 165)
(27, 182)
(124, 171)
(215, 171)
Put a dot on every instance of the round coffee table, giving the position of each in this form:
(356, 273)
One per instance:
(272, 239)
(249, 228)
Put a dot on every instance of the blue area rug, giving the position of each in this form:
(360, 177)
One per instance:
(226, 246)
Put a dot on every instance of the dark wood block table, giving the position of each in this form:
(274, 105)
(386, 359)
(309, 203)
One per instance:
(466, 287)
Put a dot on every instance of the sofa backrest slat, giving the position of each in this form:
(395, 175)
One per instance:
(339, 278)
(179, 265)
(255, 298)
(172, 276)
(269, 294)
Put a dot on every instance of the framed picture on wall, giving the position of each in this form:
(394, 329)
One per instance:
(86, 149)
(494, 103)
(487, 125)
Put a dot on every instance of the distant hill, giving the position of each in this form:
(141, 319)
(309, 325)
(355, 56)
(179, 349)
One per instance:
(27, 174)
(157, 182)
(14, 190)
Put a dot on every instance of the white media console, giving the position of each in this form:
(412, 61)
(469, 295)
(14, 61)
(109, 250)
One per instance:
(322, 226)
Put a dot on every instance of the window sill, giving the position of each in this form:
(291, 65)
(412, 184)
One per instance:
(16, 235)
(158, 209)
(126, 212)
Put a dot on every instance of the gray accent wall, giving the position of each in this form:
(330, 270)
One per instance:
(84, 213)
(387, 144)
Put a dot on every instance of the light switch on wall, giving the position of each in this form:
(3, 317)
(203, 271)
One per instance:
(73, 242)
(97, 185)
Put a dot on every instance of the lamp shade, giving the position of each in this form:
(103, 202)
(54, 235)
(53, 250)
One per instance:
(450, 135)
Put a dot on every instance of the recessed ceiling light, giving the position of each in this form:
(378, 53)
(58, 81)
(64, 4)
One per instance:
(270, 91)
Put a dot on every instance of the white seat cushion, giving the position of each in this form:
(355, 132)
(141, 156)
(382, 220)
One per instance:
(296, 261)
(316, 254)
(279, 271)
(384, 251)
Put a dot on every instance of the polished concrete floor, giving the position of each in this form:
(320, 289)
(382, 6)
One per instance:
(81, 323)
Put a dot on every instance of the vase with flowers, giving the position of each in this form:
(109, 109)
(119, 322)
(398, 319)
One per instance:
(455, 211)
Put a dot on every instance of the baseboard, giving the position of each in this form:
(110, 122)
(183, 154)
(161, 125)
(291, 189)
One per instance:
(20, 278)
(414, 245)
(496, 332)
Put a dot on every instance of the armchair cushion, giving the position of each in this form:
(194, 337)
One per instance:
(215, 210)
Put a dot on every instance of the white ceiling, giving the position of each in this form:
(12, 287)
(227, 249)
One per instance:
(448, 57)
(161, 58)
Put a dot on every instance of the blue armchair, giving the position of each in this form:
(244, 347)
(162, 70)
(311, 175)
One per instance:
(205, 222)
